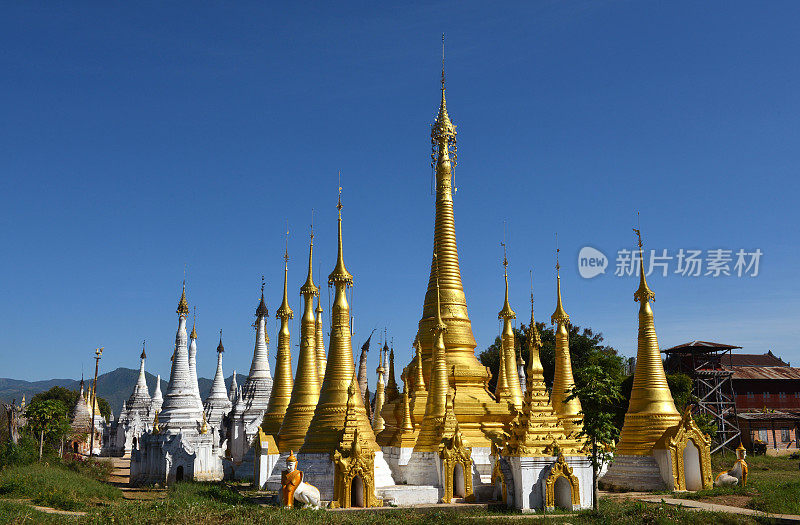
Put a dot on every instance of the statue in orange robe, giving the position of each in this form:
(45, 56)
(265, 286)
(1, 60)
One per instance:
(290, 480)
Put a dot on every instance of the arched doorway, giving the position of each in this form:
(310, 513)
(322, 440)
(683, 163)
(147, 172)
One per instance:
(562, 493)
(357, 492)
(179, 473)
(75, 447)
(459, 483)
(691, 466)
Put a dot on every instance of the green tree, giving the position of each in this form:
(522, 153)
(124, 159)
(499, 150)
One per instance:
(585, 347)
(599, 393)
(47, 419)
(69, 398)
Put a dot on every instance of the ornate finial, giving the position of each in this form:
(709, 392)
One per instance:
(443, 131)
(220, 348)
(193, 335)
(261, 309)
(506, 312)
(284, 311)
(560, 315)
(204, 425)
(644, 293)
(340, 273)
(143, 356)
(309, 287)
(442, 61)
(183, 306)
(533, 331)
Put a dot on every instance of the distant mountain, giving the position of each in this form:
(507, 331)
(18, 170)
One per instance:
(115, 386)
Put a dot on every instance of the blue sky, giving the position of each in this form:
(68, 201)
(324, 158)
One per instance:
(137, 140)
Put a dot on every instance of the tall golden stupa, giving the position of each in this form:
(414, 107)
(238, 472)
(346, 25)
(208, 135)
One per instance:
(563, 382)
(305, 394)
(651, 410)
(282, 383)
(325, 430)
(479, 416)
(508, 352)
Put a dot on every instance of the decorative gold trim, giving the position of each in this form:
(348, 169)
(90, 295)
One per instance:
(357, 461)
(675, 440)
(497, 475)
(454, 452)
(561, 468)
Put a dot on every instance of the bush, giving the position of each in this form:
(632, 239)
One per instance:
(55, 486)
(25, 452)
(89, 467)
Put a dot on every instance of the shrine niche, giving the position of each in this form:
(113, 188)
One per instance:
(684, 454)
(354, 479)
(562, 488)
(456, 468)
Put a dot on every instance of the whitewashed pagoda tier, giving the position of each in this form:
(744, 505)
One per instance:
(234, 388)
(81, 417)
(139, 400)
(217, 403)
(251, 404)
(165, 458)
(180, 411)
(193, 368)
(158, 398)
(135, 416)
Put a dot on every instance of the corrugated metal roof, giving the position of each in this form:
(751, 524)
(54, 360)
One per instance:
(755, 416)
(765, 372)
(699, 347)
(768, 359)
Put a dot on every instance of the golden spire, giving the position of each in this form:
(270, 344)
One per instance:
(419, 379)
(193, 335)
(651, 409)
(479, 415)
(563, 382)
(320, 342)
(284, 311)
(183, 306)
(340, 273)
(407, 425)
(305, 394)
(507, 347)
(535, 369)
(436, 406)
(559, 316)
(309, 286)
(325, 431)
(282, 383)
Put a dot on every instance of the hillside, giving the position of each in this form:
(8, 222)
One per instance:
(114, 386)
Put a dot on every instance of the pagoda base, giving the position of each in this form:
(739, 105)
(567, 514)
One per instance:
(404, 495)
(542, 482)
(639, 473)
(167, 457)
(319, 470)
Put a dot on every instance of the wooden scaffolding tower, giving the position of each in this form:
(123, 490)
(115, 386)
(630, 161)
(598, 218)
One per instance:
(712, 385)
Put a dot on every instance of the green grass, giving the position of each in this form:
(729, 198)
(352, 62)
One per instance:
(16, 512)
(54, 486)
(773, 483)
